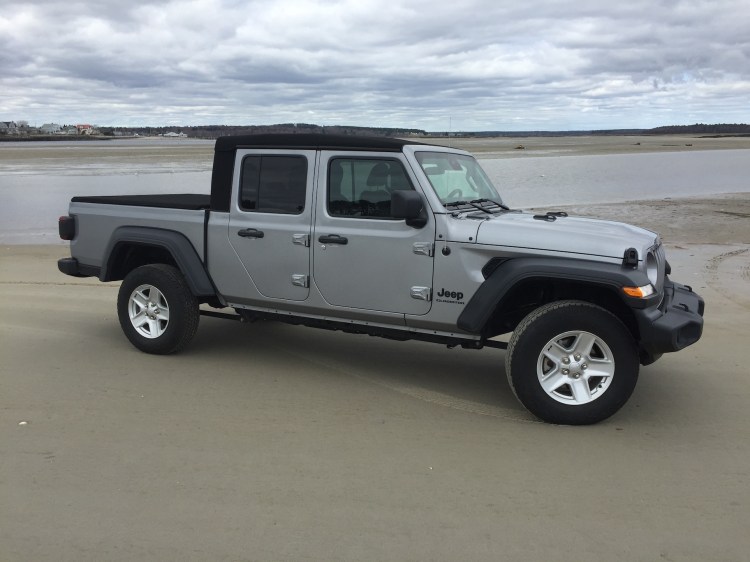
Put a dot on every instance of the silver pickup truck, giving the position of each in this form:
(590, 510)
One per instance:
(397, 239)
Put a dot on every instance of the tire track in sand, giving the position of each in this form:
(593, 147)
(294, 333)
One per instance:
(728, 274)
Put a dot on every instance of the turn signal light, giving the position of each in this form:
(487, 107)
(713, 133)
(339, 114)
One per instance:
(639, 292)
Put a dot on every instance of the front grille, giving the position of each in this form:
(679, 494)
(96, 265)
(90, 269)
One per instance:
(661, 261)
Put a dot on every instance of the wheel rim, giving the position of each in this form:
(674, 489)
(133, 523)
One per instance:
(576, 367)
(148, 311)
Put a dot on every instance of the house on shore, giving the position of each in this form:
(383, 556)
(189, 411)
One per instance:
(51, 129)
(8, 128)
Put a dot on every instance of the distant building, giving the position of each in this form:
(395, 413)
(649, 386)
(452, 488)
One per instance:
(8, 127)
(51, 129)
(172, 134)
(85, 129)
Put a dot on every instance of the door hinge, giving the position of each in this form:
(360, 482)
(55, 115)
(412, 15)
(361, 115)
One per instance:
(301, 239)
(421, 293)
(423, 248)
(300, 280)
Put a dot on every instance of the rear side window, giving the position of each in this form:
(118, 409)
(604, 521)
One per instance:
(362, 187)
(273, 184)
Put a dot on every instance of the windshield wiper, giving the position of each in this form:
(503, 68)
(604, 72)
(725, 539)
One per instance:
(479, 201)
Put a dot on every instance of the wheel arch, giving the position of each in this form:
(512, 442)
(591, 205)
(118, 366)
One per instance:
(517, 286)
(133, 246)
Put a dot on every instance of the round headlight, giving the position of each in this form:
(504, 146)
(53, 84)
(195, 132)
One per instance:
(652, 268)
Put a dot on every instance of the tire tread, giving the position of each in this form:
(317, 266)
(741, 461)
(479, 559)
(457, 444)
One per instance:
(184, 312)
(536, 316)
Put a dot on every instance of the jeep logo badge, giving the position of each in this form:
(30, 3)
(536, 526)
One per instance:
(446, 295)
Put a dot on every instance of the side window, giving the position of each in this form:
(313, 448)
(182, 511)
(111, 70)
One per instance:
(273, 184)
(362, 187)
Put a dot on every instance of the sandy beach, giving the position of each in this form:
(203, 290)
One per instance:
(273, 442)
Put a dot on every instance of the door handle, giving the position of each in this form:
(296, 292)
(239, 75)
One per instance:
(333, 239)
(250, 233)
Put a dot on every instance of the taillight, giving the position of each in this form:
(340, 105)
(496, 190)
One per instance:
(66, 226)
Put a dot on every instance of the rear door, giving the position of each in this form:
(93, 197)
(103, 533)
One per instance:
(270, 220)
(363, 258)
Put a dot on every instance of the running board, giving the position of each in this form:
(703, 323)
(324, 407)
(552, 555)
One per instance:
(469, 345)
(222, 315)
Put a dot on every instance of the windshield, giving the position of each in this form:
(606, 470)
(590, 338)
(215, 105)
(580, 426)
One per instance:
(456, 177)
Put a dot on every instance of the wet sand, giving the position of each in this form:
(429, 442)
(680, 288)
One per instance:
(273, 442)
(723, 219)
(148, 151)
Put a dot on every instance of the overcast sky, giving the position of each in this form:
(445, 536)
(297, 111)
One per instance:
(435, 64)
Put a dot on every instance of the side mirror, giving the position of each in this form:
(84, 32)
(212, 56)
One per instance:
(408, 204)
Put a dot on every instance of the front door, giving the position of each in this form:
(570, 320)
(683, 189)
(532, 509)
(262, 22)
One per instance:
(270, 223)
(363, 258)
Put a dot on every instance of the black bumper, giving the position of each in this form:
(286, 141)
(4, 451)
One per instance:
(70, 266)
(673, 325)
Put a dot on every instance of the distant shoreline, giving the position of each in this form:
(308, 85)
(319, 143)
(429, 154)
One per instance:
(46, 138)
(428, 136)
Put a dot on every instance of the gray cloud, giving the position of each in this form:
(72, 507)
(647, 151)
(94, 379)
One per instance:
(479, 64)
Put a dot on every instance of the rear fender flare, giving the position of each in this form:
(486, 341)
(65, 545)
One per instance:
(178, 246)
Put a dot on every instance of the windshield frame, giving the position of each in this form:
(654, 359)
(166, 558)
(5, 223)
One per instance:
(464, 180)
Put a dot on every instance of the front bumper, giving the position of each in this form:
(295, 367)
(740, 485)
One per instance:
(672, 325)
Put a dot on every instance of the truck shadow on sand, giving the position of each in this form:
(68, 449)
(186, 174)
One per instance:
(468, 380)
(472, 381)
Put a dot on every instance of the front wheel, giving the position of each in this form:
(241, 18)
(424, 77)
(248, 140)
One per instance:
(572, 362)
(158, 313)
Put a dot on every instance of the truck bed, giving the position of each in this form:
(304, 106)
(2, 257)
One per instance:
(187, 201)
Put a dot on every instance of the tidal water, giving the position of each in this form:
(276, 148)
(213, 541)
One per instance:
(34, 193)
(580, 180)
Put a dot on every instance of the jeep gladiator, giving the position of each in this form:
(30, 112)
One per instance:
(398, 239)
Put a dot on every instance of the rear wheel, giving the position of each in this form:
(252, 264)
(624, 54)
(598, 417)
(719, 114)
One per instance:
(158, 313)
(572, 362)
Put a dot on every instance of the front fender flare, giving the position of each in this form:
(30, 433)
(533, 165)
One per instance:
(507, 275)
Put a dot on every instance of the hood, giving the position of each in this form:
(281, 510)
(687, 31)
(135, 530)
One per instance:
(565, 234)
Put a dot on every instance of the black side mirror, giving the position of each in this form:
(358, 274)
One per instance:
(408, 204)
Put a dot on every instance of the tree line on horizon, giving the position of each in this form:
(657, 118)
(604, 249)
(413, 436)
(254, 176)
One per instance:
(214, 131)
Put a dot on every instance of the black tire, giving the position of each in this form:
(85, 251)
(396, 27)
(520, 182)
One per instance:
(549, 346)
(157, 311)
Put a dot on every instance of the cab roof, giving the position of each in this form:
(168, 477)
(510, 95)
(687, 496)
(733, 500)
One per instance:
(311, 141)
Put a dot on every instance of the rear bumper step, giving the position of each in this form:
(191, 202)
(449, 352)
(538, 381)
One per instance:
(70, 266)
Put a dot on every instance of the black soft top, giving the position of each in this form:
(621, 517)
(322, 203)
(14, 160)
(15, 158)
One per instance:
(311, 141)
(221, 180)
